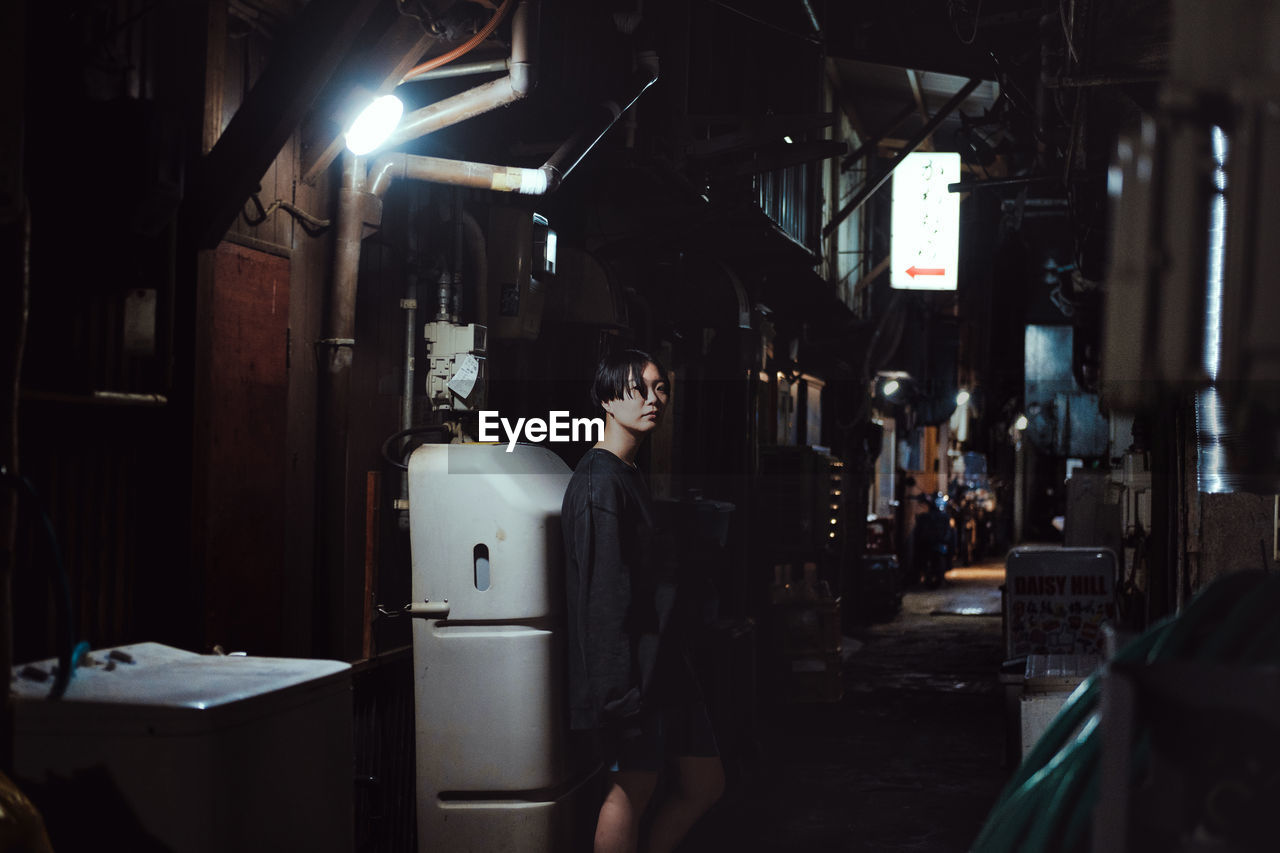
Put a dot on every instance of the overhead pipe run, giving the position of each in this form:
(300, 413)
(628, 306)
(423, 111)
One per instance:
(461, 69)
(484, 98)
(518, 179)
(360, 197)
(360, 214)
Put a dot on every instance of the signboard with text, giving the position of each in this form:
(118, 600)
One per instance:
(1057, 600)
(925, 227)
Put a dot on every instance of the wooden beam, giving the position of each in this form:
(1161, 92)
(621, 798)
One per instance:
(913, 80)
(846, 103)
(780, 156)
(872, 275)
(300, 66)
(760, 132)
(870, 187)
(878, 141)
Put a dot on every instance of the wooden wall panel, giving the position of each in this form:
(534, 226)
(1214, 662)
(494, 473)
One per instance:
(245, 424)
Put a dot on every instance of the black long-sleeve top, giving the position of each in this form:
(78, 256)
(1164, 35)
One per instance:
(620, 590)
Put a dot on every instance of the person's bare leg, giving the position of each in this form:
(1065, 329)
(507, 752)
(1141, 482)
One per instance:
(700, 784)
(618, 826)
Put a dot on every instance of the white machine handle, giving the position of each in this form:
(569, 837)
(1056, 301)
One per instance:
(428, 609)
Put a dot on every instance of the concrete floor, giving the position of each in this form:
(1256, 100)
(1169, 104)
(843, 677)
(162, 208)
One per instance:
(911, 758)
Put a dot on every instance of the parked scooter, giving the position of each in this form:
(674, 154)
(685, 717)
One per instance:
(934, 538)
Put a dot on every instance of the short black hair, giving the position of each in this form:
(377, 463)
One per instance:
(616, 372)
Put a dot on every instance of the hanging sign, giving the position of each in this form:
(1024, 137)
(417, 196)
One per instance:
(925, 229)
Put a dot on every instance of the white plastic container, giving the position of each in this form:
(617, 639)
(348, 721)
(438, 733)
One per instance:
(1049, 681)
(488, 679)
(210, 753)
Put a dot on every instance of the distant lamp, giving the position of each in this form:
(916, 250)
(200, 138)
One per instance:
(1021, 423)
(787, 139)
(891, 387)
(374, 124)
(962, 399)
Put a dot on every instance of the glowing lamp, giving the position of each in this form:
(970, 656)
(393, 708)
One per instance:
(374, 124)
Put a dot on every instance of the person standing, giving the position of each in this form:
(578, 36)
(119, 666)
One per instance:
(631, 686)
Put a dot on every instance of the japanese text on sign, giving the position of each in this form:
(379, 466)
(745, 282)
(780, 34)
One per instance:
(925, 227)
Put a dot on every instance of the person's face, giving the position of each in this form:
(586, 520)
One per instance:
(641, 408)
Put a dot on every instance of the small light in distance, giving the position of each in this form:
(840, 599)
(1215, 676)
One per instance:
(1021, 423)
(891, 387)
(962, 398)
(787, 139)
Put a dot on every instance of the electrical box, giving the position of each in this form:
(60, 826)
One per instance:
(455, 365)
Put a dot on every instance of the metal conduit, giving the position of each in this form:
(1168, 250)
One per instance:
(483, 98)
(518, 179)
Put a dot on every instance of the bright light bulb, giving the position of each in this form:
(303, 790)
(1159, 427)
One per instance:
(962, 399)
(374, 124)
(1021, 423)
(787, 139)
(891, 387)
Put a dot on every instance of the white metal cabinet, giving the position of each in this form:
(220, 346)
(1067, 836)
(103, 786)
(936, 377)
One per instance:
(488, 679)
(210, 753)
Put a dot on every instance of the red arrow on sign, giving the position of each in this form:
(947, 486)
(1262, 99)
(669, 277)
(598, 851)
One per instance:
(914, 271)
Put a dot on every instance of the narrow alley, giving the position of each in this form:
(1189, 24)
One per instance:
(910, 759)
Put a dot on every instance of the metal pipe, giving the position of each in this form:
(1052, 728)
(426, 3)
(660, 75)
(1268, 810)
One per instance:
(410, 343)
(410, 305)
(350, 231)
(451, 111)
(991, 183)
(461, 69)
(443, 286)
(869, 188)
(520, 179)
(483, 98)
(456, 289)
(570, 154)
(460, 173)
(336, 635)
(813, 19)
(517, 179)
(1101, 80)
(480, 266)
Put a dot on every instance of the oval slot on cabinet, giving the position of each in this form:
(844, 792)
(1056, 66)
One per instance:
(480, 562)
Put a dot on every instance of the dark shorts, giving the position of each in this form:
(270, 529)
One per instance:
(648, 742)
